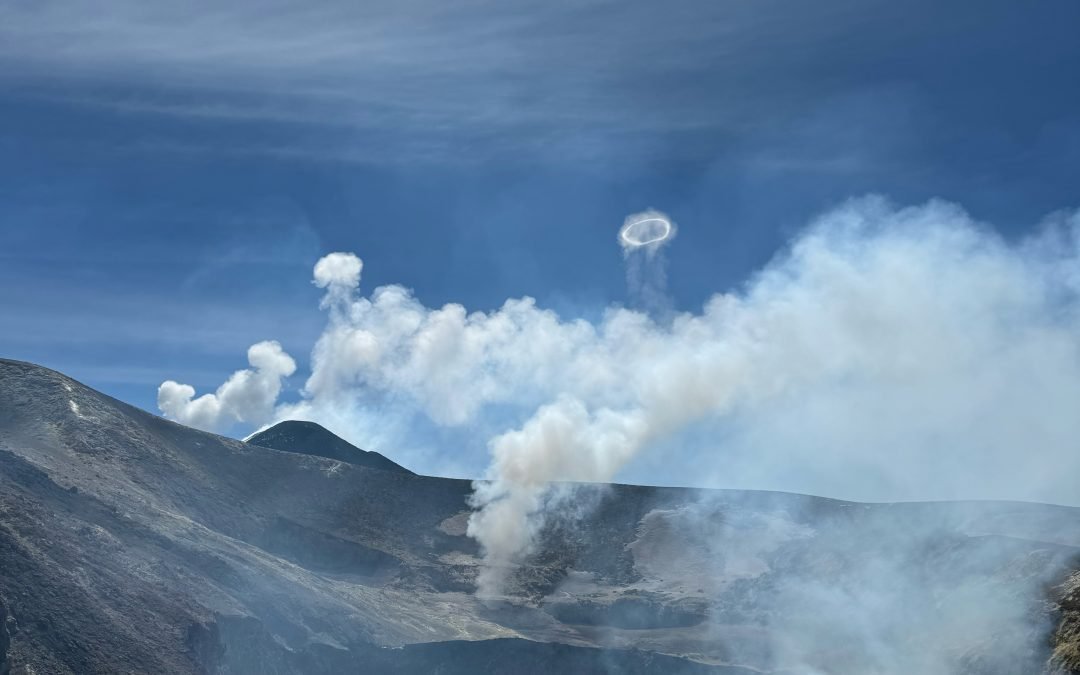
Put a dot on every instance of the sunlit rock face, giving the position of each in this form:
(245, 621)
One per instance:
(132, 544)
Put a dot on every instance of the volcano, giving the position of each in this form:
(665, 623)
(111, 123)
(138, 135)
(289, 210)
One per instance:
(129, 543)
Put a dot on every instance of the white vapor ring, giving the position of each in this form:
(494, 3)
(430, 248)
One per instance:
(625, 233)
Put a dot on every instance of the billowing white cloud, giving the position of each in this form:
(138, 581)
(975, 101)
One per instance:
(338, 272)
(886, 354)
(248, 396)
(910, 348)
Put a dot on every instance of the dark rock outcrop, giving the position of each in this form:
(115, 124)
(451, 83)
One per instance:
(1066, 657)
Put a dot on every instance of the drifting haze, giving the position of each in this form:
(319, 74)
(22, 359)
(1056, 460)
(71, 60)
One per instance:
(889, 353)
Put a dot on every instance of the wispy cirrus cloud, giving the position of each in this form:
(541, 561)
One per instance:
(484, 77)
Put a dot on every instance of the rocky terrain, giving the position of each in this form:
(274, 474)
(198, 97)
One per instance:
(132, 544)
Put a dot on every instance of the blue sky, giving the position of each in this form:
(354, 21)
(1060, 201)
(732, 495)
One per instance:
(170, 173)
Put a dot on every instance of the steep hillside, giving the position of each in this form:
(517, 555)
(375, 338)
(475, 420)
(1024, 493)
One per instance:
(132, 544)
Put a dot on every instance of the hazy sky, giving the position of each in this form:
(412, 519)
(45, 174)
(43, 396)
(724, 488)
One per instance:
(170, 172)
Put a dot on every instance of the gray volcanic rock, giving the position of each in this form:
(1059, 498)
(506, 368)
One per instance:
(311, 439)
(129, 543)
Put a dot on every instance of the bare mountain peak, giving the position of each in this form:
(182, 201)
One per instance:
(310, 438)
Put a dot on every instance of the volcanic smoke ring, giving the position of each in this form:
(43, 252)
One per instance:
(626, 234)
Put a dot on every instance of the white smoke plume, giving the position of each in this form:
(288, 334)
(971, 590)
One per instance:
(248, 396)
(339, 274)
(887, 354)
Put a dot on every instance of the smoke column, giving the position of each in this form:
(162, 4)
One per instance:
(565, 440)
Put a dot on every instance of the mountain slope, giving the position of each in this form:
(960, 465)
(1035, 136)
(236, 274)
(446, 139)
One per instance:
(132, 544)
(311, 439)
